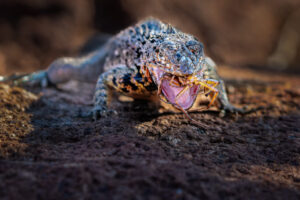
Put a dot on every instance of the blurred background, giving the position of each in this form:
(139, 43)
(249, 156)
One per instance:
(248, 33)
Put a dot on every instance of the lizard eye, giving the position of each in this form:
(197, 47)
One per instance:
(178, 56)
(191, 43)
(194, 46)
(170, 46)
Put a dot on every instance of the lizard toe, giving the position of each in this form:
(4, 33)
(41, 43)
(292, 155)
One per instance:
(101, 112)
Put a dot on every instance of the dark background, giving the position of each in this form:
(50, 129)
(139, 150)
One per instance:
(244, 33)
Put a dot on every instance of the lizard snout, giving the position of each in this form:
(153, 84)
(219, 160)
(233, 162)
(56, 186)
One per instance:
(186, 65)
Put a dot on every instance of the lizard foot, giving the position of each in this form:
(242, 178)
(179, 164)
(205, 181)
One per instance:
(99, 112)
(34, 79)
(231, 109)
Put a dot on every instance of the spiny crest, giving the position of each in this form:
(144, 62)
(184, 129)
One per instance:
(170, 29)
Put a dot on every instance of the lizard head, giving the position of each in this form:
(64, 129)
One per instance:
(178, 62)
(180, 54)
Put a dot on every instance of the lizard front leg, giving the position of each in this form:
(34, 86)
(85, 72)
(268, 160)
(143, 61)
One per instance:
(211, 73)
(107, 82)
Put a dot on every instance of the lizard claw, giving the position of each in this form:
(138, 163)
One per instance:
(99, 112)
(231, 109)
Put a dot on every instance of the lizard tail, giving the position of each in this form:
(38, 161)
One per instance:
(86, 67)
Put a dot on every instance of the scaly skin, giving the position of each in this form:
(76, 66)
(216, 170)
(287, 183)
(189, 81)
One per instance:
(136, 62)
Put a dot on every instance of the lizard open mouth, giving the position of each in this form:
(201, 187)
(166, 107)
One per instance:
(175, 91)
(179, 96)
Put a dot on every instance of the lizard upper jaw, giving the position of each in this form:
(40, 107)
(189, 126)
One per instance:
(185, 100)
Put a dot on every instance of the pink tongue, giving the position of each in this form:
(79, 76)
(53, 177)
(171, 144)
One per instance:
(185, 100)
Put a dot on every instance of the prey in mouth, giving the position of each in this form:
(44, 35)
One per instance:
(181, 91)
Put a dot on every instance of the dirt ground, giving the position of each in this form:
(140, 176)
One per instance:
(49, 151)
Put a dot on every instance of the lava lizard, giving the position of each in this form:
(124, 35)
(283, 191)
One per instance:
(145, 60)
